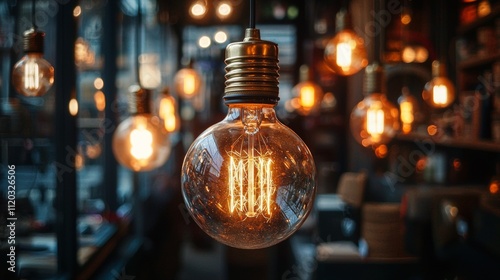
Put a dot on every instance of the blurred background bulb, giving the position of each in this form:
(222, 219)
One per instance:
(440, 91)
(308, 93)
(139, 142)
(167, 111)
(345, 53)
(374, 120)
(33, 75)
(407, 109)
(187, 82)
(249, 181)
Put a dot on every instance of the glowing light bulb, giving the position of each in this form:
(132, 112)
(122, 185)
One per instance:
(309, 94)
(440, 91)
(249, 181)
(224, 9)
(198, 9)
(187, 82)
(407, 107)
(167, 111)
(345, 53)
(374, 120)
(33, 75)
(139, 142)
(73, 106)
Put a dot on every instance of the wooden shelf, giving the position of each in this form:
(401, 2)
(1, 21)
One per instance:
(471, 26)
(478, 61)
(479, 145)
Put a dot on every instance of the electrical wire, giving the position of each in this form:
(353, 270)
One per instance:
(252, 14)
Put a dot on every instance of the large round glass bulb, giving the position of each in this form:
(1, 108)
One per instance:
(249, 181)
(374, 120)
(345, 53)
(32, 76)
(140, 143)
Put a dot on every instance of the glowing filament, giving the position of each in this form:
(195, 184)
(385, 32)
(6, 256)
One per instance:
(31, 76)
(141, 143)
(189, 84)
(375, 122)
(344, 55)
(250, 183)
(307, 97)
(440, 94)
(406, 112)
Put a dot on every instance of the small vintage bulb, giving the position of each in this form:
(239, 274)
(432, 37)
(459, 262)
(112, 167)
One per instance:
(345, 53)
(139, 142)
(440, 91)
(33, 76)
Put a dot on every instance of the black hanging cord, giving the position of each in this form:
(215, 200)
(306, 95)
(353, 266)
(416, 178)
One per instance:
(33, 9)
(138, 40)
(378, 40)
(252, 14)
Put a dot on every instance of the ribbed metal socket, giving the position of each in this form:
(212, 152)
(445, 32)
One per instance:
(33, 41)
(252, 70)
(374, 79)
(343, 20)
(139, 100)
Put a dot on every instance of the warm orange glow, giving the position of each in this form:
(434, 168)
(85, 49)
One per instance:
(100, 100)
(345, 53)
(375, 122)
(198, 9)
(381, 151)
(250, 185)
(494, 186)
(457, 164)
(421, 163)
(307, 96)
(432, 129)
(440, 94)
(141, 143)
(73, 107)
(167, 113)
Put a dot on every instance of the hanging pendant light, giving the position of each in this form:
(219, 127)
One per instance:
(345, 53)
(139, 142)
(408, 107)
(308, 94)
(249, 181)
(440, 91)
(374, 120)
(33, 76)
(187, 81)
(167, 111)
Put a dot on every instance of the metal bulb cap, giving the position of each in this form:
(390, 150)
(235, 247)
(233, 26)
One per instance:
(252, 71)
(33, 41)
(374, 79)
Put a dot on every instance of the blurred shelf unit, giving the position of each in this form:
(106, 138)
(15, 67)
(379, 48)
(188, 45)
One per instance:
(478, 74)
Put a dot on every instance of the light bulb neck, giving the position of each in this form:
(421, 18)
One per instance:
(304, 73)
(252, 71)
(438, 69)
(33, 41)
(343, 20)
(138, 101)
(374, 79)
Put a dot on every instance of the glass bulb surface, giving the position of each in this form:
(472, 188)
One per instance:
(374, 121)
(309, 96)
(32, 76)
(439, 92)
(408, 107)
(249, 181)
(345, 53)
(140, 143)
(187, 83)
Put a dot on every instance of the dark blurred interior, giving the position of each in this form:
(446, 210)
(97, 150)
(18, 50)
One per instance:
(425, 204)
